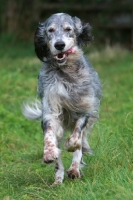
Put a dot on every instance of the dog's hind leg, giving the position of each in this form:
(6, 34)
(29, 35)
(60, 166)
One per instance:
(85, 148)
(85, 145)
(74, 170)
(59, 169)
(59, 176)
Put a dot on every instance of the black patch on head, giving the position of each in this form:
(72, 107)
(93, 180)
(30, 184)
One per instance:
(41, 47)
(85, 37)
(83, 31)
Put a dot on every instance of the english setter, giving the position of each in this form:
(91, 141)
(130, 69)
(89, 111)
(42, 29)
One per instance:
(69, 89)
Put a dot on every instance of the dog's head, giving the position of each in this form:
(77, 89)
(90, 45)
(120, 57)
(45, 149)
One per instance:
(59, 36)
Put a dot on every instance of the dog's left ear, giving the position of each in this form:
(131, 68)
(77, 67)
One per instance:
(41, 48)
(83, 31)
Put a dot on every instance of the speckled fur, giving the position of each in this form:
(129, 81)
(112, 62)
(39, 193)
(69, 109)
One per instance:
(70, 92)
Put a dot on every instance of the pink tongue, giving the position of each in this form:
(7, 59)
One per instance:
(69, 51)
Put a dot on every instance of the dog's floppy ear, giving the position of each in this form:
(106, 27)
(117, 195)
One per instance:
(83, 32)
(41, 48)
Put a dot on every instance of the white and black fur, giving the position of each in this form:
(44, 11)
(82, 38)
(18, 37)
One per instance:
(69, 89)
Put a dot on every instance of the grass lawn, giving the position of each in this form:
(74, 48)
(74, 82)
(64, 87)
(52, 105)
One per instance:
(109, 175)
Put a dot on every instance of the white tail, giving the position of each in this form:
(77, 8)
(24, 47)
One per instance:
(32, 110)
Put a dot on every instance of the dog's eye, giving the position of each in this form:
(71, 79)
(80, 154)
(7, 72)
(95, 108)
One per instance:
(68, 29)
(51, 30)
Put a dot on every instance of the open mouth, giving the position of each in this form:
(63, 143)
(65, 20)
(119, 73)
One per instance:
(61, 57)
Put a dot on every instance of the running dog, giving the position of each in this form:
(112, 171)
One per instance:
(69, 89)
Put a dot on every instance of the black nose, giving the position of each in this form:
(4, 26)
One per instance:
(59, 45)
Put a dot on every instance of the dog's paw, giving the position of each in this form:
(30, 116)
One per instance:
(58, 181)
(51, 154)
(73, 143)
(74, 173)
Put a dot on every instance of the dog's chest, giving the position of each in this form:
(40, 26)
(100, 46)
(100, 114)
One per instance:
(71, 95)
(71, 86)
(70, 90)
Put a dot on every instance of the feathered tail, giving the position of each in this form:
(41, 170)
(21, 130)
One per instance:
(32, 110)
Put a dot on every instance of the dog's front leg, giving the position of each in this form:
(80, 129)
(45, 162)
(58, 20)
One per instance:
(74, 142)
(74, 170)
(78, 142)
(52, 133)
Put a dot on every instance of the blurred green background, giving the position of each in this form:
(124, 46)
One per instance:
(112, 20)
(109, 174)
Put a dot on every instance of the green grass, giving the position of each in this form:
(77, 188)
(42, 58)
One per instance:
(109, 174)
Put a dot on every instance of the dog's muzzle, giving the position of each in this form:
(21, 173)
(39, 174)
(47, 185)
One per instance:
(62, 57)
